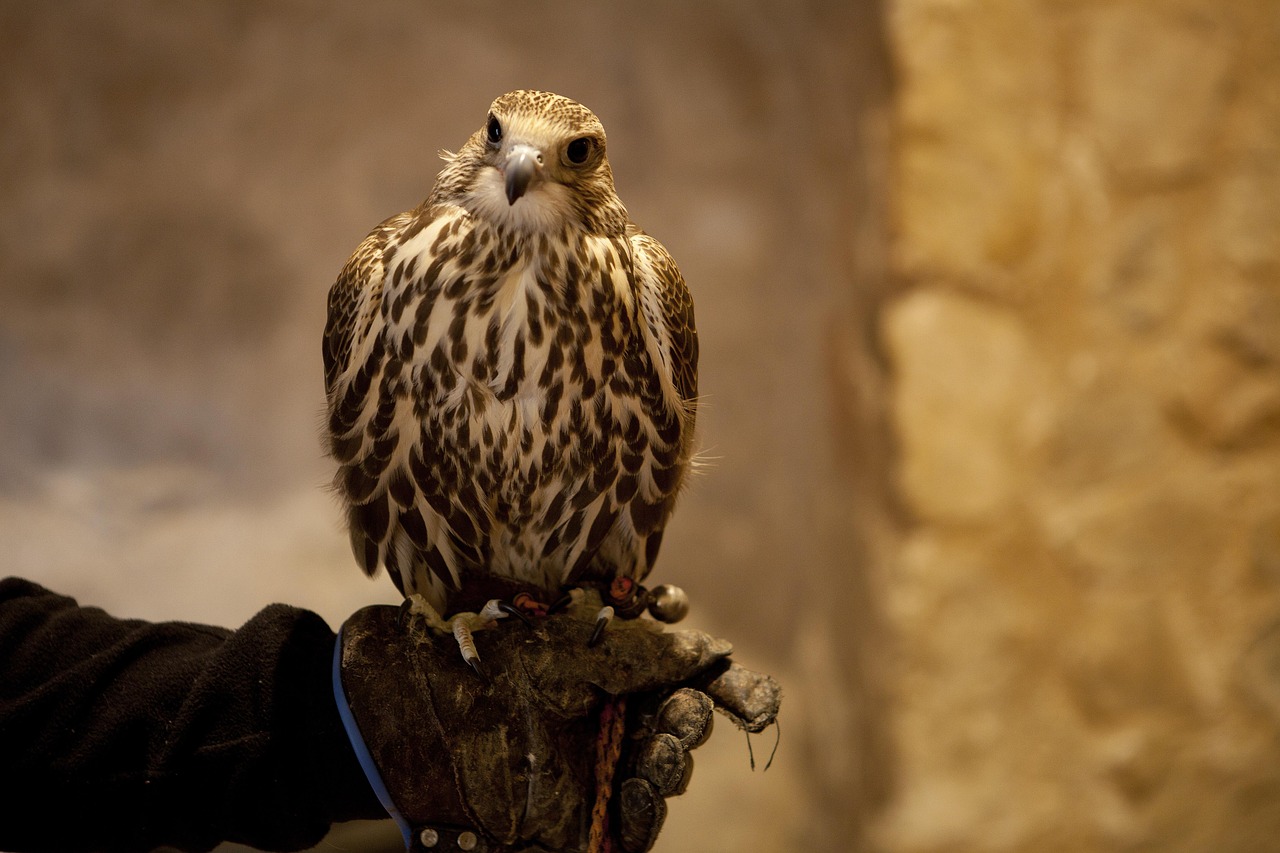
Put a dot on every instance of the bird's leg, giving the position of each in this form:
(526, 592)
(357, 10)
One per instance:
(415, 605)
(460, 625)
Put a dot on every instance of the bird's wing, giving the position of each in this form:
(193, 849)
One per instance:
(355, 297)
(368, 374)
(354, 360)
(668, 310)
(667, 307)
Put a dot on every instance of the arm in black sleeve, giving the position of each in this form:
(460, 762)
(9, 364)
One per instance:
(122, 735)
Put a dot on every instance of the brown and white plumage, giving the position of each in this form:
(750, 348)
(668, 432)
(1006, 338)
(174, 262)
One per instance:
(511, 370)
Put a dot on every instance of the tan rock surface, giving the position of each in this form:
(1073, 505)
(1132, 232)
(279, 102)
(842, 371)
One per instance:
(1083, 597)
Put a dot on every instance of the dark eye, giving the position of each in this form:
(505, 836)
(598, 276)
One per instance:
(494, 131)
(579, 150)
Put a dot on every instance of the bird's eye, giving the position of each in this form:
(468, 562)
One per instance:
(494, 131)
(579, 150)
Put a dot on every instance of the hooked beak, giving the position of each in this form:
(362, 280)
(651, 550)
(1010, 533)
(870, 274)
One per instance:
(523, 163)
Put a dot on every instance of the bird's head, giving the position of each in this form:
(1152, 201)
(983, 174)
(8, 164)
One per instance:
(537, 164)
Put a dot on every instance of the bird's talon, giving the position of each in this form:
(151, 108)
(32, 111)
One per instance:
(560, 604)
(603, 618)
(512, 610)
(402, 617)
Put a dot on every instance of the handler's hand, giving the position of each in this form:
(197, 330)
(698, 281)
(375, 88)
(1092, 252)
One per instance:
(510, 761)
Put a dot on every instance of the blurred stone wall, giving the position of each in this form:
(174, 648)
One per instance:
(1084, 352)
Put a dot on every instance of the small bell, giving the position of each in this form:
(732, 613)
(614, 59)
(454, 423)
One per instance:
(668, 603)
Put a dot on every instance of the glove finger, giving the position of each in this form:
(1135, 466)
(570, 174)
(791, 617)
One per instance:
(750, 699)
(662, 761)
(637, 660)
(686, 714)
(641, 814)
(633, 657)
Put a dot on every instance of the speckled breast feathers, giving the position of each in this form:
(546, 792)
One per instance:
(511, 369)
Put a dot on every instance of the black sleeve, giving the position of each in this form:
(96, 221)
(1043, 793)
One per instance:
(123, 735)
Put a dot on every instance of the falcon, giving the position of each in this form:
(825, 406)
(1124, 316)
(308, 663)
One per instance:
(511, 375)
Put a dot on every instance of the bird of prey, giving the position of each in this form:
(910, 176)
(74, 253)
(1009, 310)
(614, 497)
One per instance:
(511, 373)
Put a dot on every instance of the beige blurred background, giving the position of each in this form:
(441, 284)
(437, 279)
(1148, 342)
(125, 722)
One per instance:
(989, 302)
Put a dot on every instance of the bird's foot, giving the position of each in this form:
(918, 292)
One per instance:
(623, 599)
(586, 602)
(461, 625)
(415, 604)
(465, 624)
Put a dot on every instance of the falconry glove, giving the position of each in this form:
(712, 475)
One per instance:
(525, 758)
